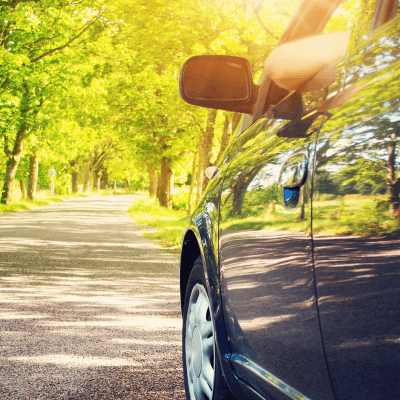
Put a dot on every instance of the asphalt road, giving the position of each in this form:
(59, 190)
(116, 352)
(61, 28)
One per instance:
(89, 308)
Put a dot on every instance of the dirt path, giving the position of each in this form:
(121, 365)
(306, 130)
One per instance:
(89, 308)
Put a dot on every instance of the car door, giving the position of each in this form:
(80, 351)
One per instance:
(266, 270)
(356, 221)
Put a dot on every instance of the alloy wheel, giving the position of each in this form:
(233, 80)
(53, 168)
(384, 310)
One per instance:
(199, 345)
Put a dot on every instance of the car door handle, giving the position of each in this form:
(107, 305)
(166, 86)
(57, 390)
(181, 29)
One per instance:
(212, 173)
(294, 172)
(292, 177)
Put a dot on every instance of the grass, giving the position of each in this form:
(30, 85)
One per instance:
(262, 223)
(168, 224)
(104, 192)
(355, 215)
(44, 198)
(348, 215)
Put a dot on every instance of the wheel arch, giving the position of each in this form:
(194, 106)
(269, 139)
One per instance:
(190, 250)
(197, 242)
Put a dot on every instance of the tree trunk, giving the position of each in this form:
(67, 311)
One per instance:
(74, 176)
(33, 176)
(104, 179)
(97, 167)
(11, 170)
(240, 190)
(303, 199)
(200, 168)
(152, 181)
(392, 182)
(165, 195)
(96, 179)
(14, 155)
(302, 203)
(226, 134)
(171, 180)
(115, 184)
(208, 142)
(12, 164)
(127, 183)
(22, 186)
(158, 186)
(86, 177)
(189, 209)
(235, 121)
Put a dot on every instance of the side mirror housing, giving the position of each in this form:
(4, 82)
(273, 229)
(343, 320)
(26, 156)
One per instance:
(221, 82)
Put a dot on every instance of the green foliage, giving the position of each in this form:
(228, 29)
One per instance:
(326, 184)
(354, 215)
(90, 77)
(373, 219)
(86, 77)
(364, 176)
(179, 199)
(168, 224)
(332, 215)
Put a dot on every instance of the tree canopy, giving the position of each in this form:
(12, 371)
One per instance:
(91, 88)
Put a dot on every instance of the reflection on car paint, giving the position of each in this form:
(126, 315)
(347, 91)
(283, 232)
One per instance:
(355, 198)
(266, 269)
(295, 331)
(243, 362)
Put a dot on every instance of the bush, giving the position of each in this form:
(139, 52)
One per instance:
(327, 196)
(168, 223)
(372, 219)
(179, 200)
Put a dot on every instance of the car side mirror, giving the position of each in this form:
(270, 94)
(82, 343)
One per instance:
(294, 172)
(221, 82)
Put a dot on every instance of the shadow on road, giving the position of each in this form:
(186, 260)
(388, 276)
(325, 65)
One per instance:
(89, 307)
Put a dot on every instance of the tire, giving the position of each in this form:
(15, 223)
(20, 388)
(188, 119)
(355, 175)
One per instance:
(201, 367)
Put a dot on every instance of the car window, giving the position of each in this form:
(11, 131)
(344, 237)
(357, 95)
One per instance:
(348, 15)
(362, 18)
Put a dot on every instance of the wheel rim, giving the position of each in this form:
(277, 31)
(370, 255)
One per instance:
(199, 345)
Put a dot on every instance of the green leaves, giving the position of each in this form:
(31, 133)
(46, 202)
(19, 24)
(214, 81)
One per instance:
(81, 73)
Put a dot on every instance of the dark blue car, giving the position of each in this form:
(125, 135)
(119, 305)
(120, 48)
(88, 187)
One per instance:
(290, 264)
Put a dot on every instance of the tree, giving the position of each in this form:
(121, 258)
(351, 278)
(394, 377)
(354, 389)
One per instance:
(142, 94)
(368, 122)
(78, 75)
(34, 41)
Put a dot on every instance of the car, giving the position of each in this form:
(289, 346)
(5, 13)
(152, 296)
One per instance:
(290, 263)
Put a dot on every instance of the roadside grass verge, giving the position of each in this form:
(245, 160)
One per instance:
(168, 224)
(117, 191)
(43, 198)
(348, 215)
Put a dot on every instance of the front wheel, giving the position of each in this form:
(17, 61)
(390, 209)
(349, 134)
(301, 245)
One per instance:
(202, 372)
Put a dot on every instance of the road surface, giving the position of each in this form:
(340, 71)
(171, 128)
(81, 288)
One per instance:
(89, 308)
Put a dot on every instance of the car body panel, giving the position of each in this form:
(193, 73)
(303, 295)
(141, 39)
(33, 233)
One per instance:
(203, 225)
(267, 278)
(304, 309)
(358, 269)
